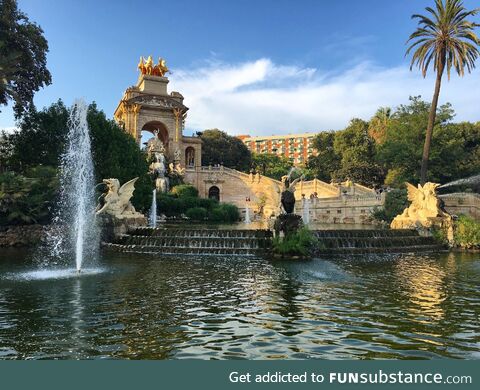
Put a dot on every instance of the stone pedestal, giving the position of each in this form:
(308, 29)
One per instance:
(287, 224)
(113, 227)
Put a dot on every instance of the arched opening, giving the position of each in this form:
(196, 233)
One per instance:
(190, 157)
(148, 131)
(214, 193)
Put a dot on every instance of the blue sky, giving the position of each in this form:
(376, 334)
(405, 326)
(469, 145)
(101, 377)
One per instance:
(258, 67)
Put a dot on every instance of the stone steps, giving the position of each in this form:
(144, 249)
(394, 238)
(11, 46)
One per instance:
(177, 250)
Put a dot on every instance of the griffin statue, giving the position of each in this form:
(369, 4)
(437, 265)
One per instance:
(116, 201)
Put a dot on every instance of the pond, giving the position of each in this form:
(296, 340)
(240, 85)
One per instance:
(139, 307)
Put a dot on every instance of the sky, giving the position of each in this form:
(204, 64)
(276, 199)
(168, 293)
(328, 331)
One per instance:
(258, 67)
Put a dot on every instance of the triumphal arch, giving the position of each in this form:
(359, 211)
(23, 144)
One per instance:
(148, 106)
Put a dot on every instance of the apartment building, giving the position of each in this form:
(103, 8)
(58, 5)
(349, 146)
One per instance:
(297, 147)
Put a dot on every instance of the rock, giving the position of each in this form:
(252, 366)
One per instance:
(21, 235)
(287, 224)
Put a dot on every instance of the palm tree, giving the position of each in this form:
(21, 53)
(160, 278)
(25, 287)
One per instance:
(377, 127)
(445, 38)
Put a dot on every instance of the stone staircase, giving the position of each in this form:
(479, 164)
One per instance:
(373, 241)
(177, 241)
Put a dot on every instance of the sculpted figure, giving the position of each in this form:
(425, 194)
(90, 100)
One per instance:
(149, 66)
(161, 68)
(141, 65)
(117, 199)
(425, 209)
(158, 170)
(155, 144)
(287, 197)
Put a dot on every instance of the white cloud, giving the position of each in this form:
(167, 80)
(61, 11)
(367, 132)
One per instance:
(261, 97)
(8, 130)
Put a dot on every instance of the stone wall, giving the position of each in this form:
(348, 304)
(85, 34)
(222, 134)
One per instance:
(344, 209)
(335, 203)
(462, 203)
(20, 236)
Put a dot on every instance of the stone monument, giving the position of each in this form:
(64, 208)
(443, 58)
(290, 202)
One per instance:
(115, 211)
(425, 211)
(287, 222)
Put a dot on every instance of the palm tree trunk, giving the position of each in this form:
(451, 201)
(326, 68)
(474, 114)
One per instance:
(431, 123)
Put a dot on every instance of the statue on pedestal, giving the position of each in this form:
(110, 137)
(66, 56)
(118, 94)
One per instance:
(425, 211)
(115, 211)
(158, 170)
(287, 222)
(116, 201)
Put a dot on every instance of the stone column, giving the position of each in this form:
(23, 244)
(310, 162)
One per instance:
(137, 132)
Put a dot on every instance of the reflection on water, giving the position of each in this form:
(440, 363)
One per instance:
(402, 306)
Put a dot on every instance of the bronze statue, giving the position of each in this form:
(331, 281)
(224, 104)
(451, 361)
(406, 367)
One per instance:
(287, 197)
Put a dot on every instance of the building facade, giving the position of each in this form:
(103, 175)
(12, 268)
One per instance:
(297, 147)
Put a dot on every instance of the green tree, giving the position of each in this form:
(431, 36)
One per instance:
(23, 61)
(220, 148)
(27, 199)
(357, 151)
(445, 38)
(41, 141)
(271, 165)
(377, 127)
(116, 154)
(400, 153)
(327, 160)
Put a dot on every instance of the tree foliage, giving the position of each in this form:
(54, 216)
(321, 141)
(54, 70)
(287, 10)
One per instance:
(353, 152)
(271, 165)
(220, 148)
(327, 160)
(444, 38)
(23, 61)
(27, 199)
(40, 141)
(346, 154)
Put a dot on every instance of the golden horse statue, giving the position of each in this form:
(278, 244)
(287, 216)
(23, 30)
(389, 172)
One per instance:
(148, 68)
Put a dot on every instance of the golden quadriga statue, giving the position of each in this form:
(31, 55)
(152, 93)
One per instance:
(424, 212)
(149, 69)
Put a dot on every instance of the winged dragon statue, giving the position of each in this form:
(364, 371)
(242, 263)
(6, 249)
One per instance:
(424, 211)
(116, 201)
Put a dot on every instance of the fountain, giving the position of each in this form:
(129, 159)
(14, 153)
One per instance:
(288, 222)
(75, 214)
(153, 210)
(469, 180)
(247, 214)
(306, 211)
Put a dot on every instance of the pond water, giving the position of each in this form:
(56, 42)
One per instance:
(139, 307)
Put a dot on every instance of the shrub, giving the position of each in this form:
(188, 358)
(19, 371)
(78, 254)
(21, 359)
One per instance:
(217, 215)
(231, 211)
(207, 203)
(224, 212)
(301, 243)
(27, 199)
(467, 232)
(196, 214)
(395, 202)
(185, 190)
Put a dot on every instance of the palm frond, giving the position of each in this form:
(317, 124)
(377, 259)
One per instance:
(445, 38)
